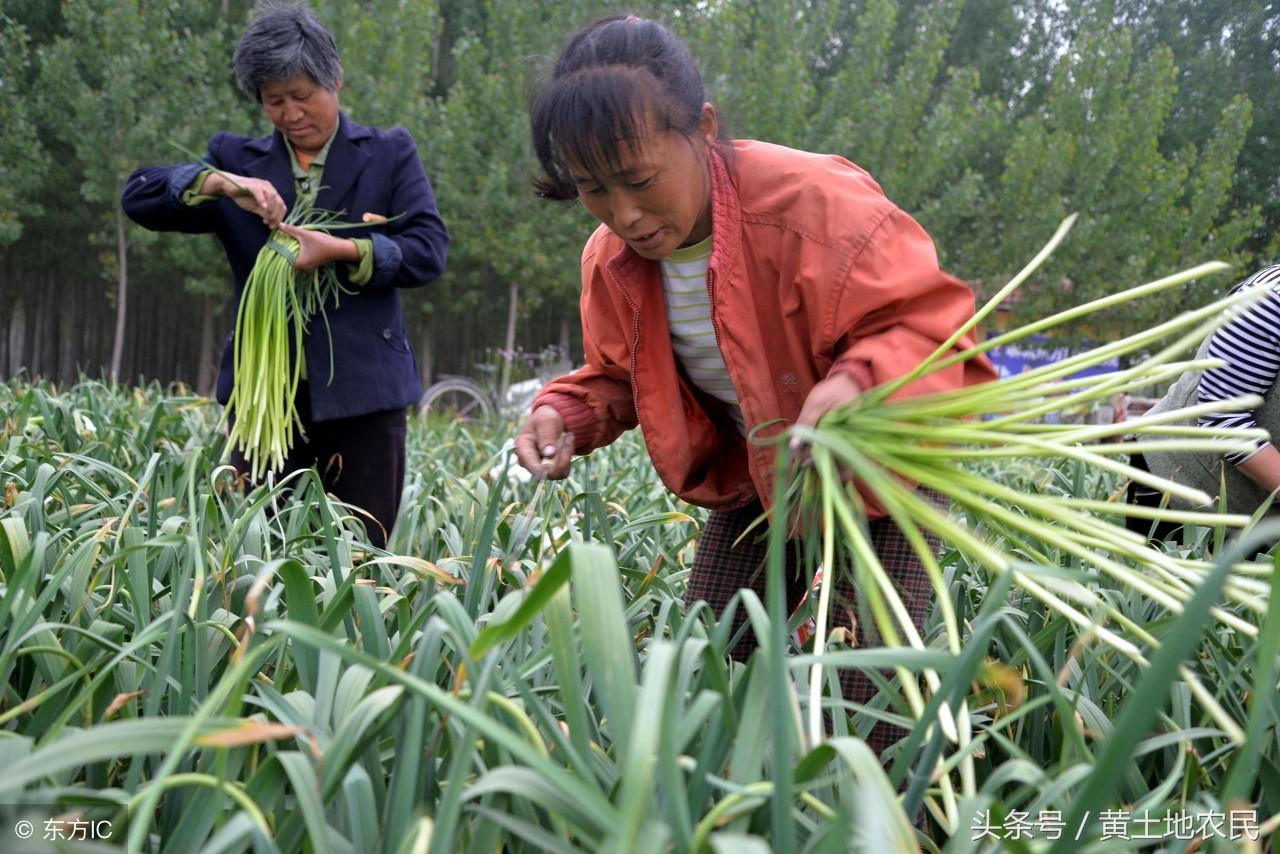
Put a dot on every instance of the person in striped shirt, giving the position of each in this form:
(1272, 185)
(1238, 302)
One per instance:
(1249, 345)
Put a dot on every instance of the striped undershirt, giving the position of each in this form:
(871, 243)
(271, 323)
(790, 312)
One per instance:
(684, 284)
(1250, 346)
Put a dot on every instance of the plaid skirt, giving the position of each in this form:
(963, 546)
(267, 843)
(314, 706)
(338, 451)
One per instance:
(723, 564)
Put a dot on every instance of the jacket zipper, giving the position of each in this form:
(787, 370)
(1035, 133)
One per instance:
(635, 345)
(711, 309)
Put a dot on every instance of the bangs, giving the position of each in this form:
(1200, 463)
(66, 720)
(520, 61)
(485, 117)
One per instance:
(588, 120)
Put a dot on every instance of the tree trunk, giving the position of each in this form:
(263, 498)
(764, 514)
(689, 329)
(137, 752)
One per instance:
(566, 361)
(424, 351)
(205, 366)
(67, 368)
(7, 297)
(17, 323)
(35, 314)
(122, 292)
(93, 335)
(48, 342)
(509, 343)
(79, 329)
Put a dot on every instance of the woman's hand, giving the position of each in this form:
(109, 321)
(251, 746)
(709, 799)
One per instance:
(836, 390)
(315, 248)
(542, 445)
(253, 194)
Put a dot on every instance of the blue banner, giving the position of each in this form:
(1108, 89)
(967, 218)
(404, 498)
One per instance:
(1036, 352)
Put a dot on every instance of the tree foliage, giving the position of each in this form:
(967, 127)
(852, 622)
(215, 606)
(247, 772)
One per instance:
(23, 161)
(1223, 50)
(1094, 147)
(480, 144)
(988, 120)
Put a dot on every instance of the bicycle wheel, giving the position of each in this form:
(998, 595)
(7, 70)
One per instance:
(457, 399)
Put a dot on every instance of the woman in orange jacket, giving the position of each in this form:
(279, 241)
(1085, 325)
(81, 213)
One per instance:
(733, 288)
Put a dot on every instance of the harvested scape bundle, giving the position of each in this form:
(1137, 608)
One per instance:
(266, 376)
(891, 444)
(276, 307)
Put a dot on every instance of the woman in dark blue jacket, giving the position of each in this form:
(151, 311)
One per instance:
(354, 422)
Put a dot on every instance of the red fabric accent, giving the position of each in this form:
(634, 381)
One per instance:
(859, 371)
(578, 418)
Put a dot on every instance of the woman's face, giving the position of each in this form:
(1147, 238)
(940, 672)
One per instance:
(659, 199)
(303, 110)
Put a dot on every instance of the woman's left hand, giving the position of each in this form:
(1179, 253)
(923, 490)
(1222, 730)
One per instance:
(315, 248)
(836, 390)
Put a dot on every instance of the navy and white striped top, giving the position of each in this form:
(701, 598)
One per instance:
(1250, 346)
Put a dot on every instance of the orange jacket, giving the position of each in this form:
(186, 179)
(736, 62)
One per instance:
(812, 270)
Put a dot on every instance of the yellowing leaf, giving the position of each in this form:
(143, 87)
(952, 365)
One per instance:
(120, 701)
(418, 565)
(250, 732)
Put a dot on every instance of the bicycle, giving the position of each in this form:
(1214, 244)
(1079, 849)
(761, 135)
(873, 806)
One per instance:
(463, 399)
(458, 398)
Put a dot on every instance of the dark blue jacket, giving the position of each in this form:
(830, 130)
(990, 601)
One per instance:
(367, 170)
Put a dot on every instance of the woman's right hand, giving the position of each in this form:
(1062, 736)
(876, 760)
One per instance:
(253, 194)
(542, 445)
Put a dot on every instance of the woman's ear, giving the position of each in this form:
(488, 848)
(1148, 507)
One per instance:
(708, 125)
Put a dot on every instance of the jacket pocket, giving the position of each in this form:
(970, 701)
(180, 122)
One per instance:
(392, 335)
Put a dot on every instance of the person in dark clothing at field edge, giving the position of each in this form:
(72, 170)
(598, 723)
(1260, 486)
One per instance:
(354, 424)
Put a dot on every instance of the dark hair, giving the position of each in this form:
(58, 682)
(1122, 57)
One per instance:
(610, 77)
(283, 40)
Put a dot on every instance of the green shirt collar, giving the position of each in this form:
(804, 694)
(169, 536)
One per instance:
(696, 252)
(317, 163)
(307, 181)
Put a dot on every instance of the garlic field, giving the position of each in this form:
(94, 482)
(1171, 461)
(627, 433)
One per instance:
(187, 667)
